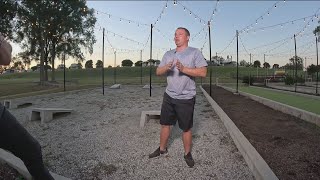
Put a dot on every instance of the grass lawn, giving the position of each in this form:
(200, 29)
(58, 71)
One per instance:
(25, 84)
(305, 103)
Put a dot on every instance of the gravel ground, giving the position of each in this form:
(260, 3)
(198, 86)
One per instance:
(102, 139)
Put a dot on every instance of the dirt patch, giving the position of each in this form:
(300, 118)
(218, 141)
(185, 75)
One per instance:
(289, 145)
(8, 173)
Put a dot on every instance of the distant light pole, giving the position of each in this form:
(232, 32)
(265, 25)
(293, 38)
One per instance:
(237, 61)
(210, 56)
(295, 57)
(64, 69)
(265, 66)
(150, 84)
(141, 66)
(64, 63)
(103, 62)
(250, 71)
(115, 66)
(317, 65)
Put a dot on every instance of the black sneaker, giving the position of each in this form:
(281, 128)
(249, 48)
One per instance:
(157, 153)
(189, 160)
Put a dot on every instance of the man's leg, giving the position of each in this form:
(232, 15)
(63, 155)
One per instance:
(164, 136)
(187, 141)
(185, 109)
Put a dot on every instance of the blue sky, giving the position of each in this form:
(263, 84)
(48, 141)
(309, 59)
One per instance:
(127, 38)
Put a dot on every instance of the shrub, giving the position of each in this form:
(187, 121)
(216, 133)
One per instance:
(288, 80)
(245, 80)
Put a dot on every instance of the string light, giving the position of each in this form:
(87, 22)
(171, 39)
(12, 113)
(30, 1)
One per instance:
(261, 17)
(123, 19)
(281, 24)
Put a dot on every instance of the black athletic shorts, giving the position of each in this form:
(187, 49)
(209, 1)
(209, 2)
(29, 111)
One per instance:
(177, 109)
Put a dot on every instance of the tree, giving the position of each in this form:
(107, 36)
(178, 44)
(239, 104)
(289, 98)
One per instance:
(266, 65)
(138, 64)
(8, 9)
(275, 66)
(80, 65)
(256, 63)
(18, 65)
(89, 64)
(313, 69)
(25, 58)
(292, 63)
(50, 29)
(126, 62)
(243, 63)
(99, 64)
(316, 31)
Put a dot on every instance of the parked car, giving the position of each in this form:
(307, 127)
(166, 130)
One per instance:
(60, 67)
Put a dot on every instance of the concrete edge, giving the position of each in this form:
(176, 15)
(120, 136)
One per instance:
(299, 113)
(256, 163)
(18, 165)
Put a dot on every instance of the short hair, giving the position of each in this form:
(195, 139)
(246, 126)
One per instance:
(185, 29)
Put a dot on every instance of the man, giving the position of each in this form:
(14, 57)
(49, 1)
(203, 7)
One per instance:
(15, 138)
(180, 65)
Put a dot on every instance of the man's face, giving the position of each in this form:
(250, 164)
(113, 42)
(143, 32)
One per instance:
(180, 37)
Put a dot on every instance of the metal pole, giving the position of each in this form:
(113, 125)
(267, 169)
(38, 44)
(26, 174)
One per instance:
(317, 66)
(250, 71)
(210, 56)
(64, 69)
(141, 67)
(305, 67)
(150, 59)
(237, 61)
(115, 67)
(200, 77)
(295, 57)
(217, 69)
(265, 72)
(103, 61)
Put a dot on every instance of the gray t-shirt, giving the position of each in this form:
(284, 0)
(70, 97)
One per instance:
(180, 85)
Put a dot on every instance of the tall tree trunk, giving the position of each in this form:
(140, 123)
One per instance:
(46, 67)
(41, 48)
(41, 63)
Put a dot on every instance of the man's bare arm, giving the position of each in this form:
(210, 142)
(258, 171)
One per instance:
(195, 72)
(162, 70)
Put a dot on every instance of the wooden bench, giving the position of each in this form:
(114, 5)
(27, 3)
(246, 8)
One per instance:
(46, 114)
(145, 116)
(115, 86)
(9, 104)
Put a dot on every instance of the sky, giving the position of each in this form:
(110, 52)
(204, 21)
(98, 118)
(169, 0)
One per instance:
(265, 28)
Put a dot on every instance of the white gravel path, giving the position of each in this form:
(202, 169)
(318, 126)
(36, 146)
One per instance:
(102, 139)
